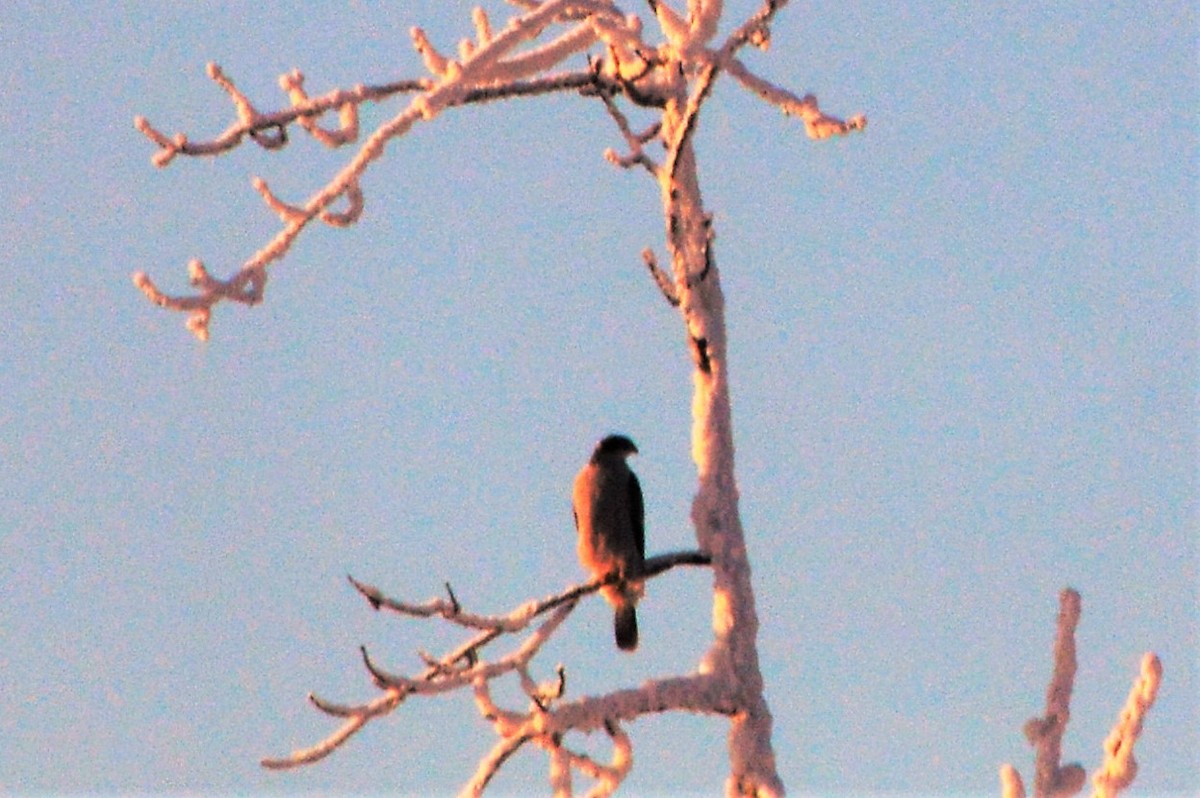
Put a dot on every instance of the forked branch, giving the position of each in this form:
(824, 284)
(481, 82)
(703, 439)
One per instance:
(1045, 733)
(490, 67)
(669, 80)
(465, 666)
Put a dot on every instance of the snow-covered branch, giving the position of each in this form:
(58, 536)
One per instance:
(817, 124)
(669, 79)
(490, 67)
(1120, 767)
(490, 70)
(466, 667)
(1045, 733)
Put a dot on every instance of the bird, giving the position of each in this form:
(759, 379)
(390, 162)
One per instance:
(610, 519)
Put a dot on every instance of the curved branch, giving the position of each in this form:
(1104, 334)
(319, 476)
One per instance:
(487, 74)
(490, 765)
(442, 675)
(683, 130)
(358, 717)
(246, 287)
(303, 110)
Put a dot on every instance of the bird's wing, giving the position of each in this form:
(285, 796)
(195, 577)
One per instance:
(637, 514)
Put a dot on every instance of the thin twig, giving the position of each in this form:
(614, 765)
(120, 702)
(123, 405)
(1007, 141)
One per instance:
(442, 675)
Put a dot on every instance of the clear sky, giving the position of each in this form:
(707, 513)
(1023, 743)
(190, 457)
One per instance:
(963, 353)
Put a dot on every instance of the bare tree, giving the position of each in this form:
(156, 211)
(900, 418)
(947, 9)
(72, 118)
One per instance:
(666, 78)
(663, 79)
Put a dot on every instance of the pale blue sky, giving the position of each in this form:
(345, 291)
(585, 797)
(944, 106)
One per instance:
(964, 375)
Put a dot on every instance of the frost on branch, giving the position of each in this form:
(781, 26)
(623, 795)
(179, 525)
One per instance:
(245, 287)
(1120, 767)
(518, 60)
(548, 717)
(1053, 780)
(653, 78)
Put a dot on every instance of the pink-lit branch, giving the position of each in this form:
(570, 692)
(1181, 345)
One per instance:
(1045, 733)
(1120, 767)
(670, 77)
(465, 667)
(491, 67)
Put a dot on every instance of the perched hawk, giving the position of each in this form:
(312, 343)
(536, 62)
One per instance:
(611, 522)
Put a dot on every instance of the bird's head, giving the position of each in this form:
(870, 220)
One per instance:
(617, 445)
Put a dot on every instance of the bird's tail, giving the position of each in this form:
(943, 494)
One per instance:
(625, 626)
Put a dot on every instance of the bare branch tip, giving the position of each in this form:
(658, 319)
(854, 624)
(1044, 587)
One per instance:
(1152, 668)
(366, 591)
(483, 27)
(167, 148)
(164, 157)
(369, 665)
(456, 608)
(289, 214)
(1011, 785)
(325, 706)
(198, 275)
(435, 62)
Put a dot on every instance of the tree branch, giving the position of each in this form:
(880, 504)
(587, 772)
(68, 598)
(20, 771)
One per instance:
(485, 75)
(1052, 780)
(672, 79)
(1120, 767)
(490, 765)
(1045, 733)
(446, 673)
(816, 124)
